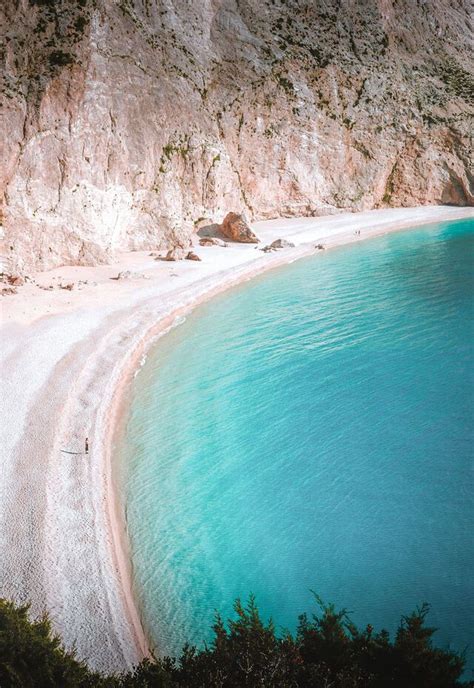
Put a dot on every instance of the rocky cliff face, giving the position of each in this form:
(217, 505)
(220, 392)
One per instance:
(124, 121)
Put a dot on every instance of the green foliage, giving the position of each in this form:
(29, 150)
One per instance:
(181, 147)
(286, 85)
(168, 150)
(321, 59)
(31, 655)
(327, 650)
(458, 80)
(45, 3)
(80, 24)
(410, 661)
(60, 58)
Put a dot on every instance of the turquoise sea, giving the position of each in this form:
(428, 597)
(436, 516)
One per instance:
(312, 430)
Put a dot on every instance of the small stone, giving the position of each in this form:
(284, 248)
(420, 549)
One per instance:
(212, 241)
(281, 243)
(176, 253)
(192, 256)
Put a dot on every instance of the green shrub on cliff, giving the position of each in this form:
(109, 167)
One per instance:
(327, 650)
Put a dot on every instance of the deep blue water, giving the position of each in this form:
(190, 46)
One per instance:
(313, 429)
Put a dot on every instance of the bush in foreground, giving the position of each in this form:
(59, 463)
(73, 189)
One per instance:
(327, 651)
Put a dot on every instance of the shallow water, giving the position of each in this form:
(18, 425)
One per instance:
(312, 429)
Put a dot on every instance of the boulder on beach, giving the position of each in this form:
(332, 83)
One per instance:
(13, 280)
(211, 241)
(277, 244)
(192, 256)
(281, 243)
(7, 291)
(176, 253)
(125, 275)
(16, 280)
(236, 228)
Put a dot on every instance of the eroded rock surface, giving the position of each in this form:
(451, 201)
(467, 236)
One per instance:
(124, 120)
(235, 227)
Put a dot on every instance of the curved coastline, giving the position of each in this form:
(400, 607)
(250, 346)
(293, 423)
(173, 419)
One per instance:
(101, 362)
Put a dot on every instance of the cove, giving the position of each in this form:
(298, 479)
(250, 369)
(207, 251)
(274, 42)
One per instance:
(312, 430)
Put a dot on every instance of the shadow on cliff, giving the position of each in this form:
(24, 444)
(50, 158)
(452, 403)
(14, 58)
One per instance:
(212, 230)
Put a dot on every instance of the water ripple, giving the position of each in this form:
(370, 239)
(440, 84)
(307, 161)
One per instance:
(312, 429)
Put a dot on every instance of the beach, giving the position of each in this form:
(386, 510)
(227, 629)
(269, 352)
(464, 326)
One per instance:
(67, 359)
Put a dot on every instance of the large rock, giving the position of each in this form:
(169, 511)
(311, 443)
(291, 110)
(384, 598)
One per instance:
(236, 228)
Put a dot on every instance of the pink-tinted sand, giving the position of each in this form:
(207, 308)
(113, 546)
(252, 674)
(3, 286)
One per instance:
(67, 359)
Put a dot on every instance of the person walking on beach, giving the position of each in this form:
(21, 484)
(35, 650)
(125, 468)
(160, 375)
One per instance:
(87, 445)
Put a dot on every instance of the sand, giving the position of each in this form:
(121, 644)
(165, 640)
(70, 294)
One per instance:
(67, 358)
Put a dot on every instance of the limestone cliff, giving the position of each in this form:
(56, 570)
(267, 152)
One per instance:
(123, 121)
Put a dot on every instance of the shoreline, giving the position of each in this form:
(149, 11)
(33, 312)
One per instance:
(85, 384)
